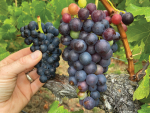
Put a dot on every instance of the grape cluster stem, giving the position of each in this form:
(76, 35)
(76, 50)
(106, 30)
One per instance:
(124, 39)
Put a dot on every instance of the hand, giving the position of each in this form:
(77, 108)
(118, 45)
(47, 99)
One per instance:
(15, 89)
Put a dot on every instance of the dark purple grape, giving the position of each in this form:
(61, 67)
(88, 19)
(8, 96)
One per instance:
(72, 71)
(51, 47)
(87, 25)
(82, 86)
(73, 56)
(105, 63)
(32, 25)
(65, 40)
(102, 46)
(26, 41)
(88, 103)
(34, 33)
(101, 79)
(27, 32)
(105, 69)
(40, 71)
(114, 47)
(49, 37)
(102, 88)
(91, 7)
(79, 46)
(77, 65)
(85, 58)
(50, 60)
(97, 102)
(65, 54)
(75, 24)
(43, 79)
(90, 68)
(108, 34)
(43, 48)
(80, 76)
(81, 102)
(46, 42)
(98, 28)
(72, 43)
(95, 95)
(83, 35)
(96, 58)
(127, 18)
(93, 88)
(91, 39)
(116, 37)
(45, 56)
(107, 55)
(90, 49)
(22, 29)
(91, 79)
(70, 63)
(41, 36)
(83, 14)
(50, 29)
(72, 81)
(64, 29)
(97, 15)
(105, 23)
(32, 48)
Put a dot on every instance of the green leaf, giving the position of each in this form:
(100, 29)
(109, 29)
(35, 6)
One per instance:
(8, 31)
(18, 11)
(61, 4)
(80, 111)
(55, 109)
(57, 22)
(2, 18)
(140, 32)
(23, 20)
(3, 53)
(135, 10)
(121, 6)
(144, 109)
(143, 89)
(135, 2)
(26, 7)
(3, 7)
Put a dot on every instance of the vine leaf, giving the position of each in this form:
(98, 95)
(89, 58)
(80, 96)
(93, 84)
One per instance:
(3, 53)
(136, 10)
(59, 4)
(144, 109)
(55, 109)
(143, 90)
(138, 32)
(3, 7)
(7, 31)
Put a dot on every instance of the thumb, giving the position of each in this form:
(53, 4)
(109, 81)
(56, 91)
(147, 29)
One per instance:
(22, 64)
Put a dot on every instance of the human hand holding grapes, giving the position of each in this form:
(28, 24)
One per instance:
(15, 89)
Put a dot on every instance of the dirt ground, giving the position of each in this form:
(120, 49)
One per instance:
(41, 101)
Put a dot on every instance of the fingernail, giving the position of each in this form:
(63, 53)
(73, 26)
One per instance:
(35, 55)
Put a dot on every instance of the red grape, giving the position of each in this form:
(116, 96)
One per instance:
(66, 17)
(116, 19)
(108, 18)
(124, 27)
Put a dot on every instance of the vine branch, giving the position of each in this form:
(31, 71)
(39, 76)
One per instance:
(16, 3)
(124, 39)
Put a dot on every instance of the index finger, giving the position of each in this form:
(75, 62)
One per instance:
(15, 56)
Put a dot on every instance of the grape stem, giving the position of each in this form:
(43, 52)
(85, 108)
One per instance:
(123, 35)
(96, 3)
(39, 24)
(115, 8)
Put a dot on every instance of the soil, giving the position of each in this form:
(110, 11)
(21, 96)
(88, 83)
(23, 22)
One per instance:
(41, 101)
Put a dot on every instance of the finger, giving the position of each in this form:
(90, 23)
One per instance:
(22, 64)
(36, 85)
(33, 74)
(28, 70)
(15, 56)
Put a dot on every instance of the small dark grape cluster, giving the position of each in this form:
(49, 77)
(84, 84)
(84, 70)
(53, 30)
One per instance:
(47, 43)
(90, 42)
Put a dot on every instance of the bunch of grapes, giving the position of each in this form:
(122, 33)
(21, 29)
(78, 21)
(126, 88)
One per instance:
(90, 41)
(44, 39)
